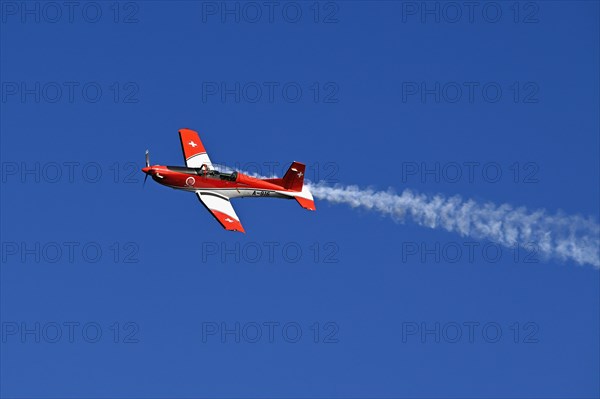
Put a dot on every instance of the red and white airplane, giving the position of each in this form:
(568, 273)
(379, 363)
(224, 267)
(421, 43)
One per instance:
(215, 185)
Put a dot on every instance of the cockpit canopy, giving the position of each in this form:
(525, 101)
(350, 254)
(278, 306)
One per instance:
(222, 168)
(220, 172)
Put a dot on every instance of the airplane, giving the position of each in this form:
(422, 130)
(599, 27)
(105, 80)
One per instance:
(215, 185)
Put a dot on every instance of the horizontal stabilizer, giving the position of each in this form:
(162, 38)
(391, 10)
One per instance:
(306, 203)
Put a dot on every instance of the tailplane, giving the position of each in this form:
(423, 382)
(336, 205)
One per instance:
(293, 180)
(305, 199)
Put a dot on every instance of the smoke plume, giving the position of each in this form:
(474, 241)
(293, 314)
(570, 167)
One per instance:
(557, 236)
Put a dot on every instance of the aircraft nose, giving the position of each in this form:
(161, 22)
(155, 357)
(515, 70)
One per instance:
(146, 170)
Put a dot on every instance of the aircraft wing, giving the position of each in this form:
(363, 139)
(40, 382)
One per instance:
(193, 150)
(220, 207)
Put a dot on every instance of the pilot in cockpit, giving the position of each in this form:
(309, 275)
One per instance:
(203, 171)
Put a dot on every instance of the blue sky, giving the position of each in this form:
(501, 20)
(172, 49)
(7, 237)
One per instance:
(169, 280)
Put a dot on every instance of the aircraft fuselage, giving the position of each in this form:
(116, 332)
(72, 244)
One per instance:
(229, 185)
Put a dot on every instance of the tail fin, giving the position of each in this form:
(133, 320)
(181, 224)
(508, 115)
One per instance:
(294, 177)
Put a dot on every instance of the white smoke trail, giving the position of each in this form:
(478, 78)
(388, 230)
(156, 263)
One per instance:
(557, 236)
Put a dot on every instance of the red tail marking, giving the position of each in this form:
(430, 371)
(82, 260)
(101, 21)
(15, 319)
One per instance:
(294, 177)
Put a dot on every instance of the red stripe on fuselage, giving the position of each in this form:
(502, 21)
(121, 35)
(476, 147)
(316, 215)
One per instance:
(192, 181)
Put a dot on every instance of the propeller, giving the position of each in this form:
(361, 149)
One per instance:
(147, 165)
